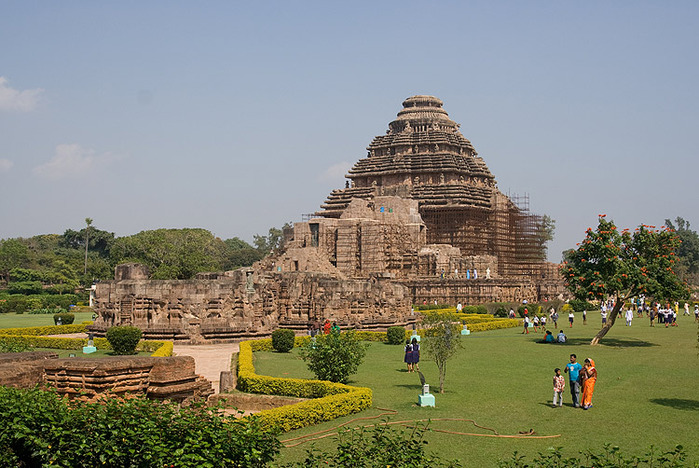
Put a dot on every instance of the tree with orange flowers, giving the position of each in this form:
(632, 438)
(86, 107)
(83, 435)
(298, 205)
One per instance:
(622, 265)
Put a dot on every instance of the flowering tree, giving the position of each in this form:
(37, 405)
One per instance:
(621, 265)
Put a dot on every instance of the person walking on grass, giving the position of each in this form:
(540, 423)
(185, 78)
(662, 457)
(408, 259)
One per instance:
(584, 317)
(536, 322)
(415, 355)
(526, 324)
(408, 359)
(629, 316)
(573, 369)
(696, 313)
(559, 384)
(571, 317)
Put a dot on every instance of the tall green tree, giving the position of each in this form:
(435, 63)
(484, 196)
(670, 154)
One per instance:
(622, 265)
(240, 254)
(272, 241)
(688, 252)
(13, 254)
(88, 221)
(441, 340)
(171, 253)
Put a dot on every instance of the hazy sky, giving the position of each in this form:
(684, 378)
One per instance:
(239, 116)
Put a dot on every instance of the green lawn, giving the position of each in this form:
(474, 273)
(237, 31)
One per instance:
(645, 393)
(37, 320)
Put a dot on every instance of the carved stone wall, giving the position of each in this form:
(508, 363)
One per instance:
(248, 303)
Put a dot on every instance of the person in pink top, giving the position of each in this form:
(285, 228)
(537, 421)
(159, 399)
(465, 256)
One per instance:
(559, 384)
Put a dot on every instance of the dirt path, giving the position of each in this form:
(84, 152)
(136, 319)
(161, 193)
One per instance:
(210, 359)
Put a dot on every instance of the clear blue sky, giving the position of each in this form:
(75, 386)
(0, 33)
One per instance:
(239, 116)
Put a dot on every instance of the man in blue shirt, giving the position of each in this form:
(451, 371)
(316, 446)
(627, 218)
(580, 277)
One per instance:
(573, 369)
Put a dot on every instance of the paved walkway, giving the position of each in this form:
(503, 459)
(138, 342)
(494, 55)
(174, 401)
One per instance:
(210, 359)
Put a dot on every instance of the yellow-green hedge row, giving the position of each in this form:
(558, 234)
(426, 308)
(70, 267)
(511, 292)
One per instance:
(158, 348)
(47, 330)
(329, 400)
(494, 325)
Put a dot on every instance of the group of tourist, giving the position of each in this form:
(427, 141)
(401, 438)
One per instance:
(584, 377)
(315, 327)
(412, 355)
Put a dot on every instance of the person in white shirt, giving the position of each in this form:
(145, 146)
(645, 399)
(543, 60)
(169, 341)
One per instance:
(629, 317)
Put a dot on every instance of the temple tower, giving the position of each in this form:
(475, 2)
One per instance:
(423, 156)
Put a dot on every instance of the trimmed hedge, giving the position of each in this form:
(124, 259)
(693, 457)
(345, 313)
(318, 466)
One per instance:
(329, 400)
(47, 330)
(157, 348)
(65, 318)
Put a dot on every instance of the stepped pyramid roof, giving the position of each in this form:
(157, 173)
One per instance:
(423, 156)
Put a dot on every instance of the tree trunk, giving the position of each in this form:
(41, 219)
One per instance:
(610, 322)
(442, 374)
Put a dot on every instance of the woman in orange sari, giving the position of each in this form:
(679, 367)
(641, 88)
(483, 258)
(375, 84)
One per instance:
(589, 377)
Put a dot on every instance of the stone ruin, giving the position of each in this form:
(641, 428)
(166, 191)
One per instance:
(419, 220)
(167, 378)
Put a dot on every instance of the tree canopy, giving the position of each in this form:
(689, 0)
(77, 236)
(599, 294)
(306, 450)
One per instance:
(622, 265)
(688, 253)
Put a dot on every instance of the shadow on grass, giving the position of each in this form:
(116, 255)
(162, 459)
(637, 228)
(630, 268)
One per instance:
(677, 403)
(609, 342)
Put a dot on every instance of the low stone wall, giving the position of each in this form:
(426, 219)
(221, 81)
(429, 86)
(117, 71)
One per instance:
(159, 378)
(23, 370)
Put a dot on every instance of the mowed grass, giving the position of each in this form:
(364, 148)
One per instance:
(37, 320)
(646, 393)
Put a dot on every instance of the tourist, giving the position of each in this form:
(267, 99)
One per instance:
(584, 317)
(667, 316)
(526, 323)
(512, 313)
(696, 313)
(408, 359)
(542, 320)
(459, 307)
(561, 337)
(327, 326)
(559, 384)
(475, 274)
(548, 338)
(573, 369)
(686, 308)
(651, 315)
(571, 317)
(555, 319)
(674, 318)
(535, 322)
(415, 355)
(629, 316)
(335, 328)
(604, 316)
(589, 378)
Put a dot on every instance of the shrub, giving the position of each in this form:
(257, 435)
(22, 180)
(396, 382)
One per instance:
(283, 340)
(15, 303)
(48, 311)
(501, 311)
(395, 335)
(579, 306)
(43, 429)
(379, 445)
(474, 309)
(431, 306)
(66, 318)
(124, 340)
(334, 357)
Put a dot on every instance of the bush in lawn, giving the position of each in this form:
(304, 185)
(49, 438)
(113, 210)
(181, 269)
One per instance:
(66, 318)
(476, 309)
(395, 335)
(55, 310)
(283, 340)
(43, 429)
(14, 303)
(579, 306)
(124, 340)
(335, 356)
(501, 312)
(379, 445)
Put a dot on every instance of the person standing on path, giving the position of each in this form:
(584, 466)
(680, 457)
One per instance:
(573, 369)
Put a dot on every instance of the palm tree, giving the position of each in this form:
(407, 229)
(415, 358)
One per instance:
(88, 221)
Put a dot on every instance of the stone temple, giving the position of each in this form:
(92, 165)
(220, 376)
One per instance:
(419, 220)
